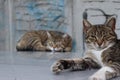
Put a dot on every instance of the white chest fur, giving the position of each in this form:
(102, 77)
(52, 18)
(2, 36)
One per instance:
(97, 55)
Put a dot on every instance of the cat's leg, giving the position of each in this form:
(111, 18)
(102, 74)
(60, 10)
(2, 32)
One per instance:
(110, 75)
(104, 73)
(74, 64)
(38, 46)
(116, 67)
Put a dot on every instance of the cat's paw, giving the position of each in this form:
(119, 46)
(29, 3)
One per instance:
(67, 49)
(97, 77)
(57, 67)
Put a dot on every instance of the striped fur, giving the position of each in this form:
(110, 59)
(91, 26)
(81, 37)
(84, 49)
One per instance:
(44, 41)
(103, 51)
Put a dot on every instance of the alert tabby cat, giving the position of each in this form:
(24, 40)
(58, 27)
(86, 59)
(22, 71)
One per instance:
(43, 40)
(103, 51)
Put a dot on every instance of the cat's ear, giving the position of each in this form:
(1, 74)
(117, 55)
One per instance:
(65, 35)
(49, 35)
(86, 25)
(111, 23)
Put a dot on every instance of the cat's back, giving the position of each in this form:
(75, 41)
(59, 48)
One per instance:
(35, 34)
(56, 34)
(43, 34)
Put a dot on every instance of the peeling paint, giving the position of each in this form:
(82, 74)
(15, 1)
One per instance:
(48, 14)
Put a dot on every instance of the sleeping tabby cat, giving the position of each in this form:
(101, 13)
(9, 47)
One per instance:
(103, 51)
(45, 40)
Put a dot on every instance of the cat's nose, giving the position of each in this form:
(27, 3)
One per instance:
(99, 42)
(54, 46)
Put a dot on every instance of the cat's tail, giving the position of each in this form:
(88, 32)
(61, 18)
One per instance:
(20, 46)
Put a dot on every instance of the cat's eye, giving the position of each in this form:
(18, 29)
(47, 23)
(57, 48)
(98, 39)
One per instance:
(92, 36)
(110, 38)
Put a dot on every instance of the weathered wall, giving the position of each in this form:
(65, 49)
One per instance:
(100, 10)
(3, 26)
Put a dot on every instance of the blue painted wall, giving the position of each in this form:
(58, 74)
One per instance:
(48, 14)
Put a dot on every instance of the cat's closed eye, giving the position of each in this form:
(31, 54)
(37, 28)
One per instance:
(92, 36)
(110, 38)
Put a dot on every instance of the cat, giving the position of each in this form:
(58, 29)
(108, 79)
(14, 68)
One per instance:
(44, 40)
(102, 52)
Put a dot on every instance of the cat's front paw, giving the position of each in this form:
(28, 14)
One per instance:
(57, 67)
(68, 49)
